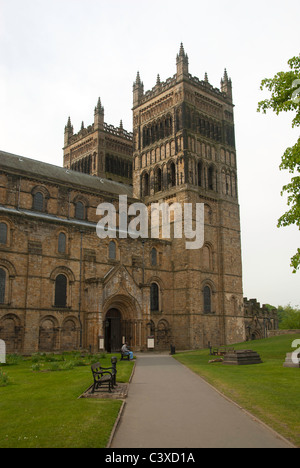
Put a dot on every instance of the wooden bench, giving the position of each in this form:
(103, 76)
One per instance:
(124, 356)
(103, 377)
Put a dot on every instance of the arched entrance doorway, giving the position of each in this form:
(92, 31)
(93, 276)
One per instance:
(113, 332)
(123, 321)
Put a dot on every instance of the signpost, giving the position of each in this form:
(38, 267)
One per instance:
(150, 342)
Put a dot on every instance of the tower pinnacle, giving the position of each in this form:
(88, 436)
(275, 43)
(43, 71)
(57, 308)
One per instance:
(182, 61)
(99, 115)
(69, 131)
(226, 85)
(138, 89)
(99, 109)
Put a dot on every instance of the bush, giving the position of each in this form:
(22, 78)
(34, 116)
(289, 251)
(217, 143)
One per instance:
(61, 366)
(4, 379)
(97, 357)
(54, 358)
(36, 367)
(68, 365)
(66, 360)
(79, 363)
(53, 367)
(35, 359)
(13, 359)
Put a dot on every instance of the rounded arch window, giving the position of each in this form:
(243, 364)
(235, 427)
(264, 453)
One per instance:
(158, 180)
(3, 233)
(200, 169)
(2, 285)
(145, 184)
(61, 291)
(154, 297)
(38, 201)
(112, 251)
(210, 178)
(207, 300)
(172, 175)
(62, 243)
(79, 210)
(154, 257)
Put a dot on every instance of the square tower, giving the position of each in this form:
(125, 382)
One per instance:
(100, 149)
(184, 152)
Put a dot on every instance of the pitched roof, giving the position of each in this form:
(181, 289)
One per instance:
(50, 173)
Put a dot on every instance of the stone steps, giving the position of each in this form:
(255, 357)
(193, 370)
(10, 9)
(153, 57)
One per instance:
(242, 357)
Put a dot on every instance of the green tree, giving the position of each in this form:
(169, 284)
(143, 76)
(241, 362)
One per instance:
(289, 317)
(285, 97)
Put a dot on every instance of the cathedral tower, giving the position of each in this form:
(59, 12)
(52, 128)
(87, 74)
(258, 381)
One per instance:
(184, 152)
(99, 149)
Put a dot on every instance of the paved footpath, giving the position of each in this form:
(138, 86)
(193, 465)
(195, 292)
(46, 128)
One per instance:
(168, 406)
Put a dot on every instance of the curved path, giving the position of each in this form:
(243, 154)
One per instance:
(168, 406)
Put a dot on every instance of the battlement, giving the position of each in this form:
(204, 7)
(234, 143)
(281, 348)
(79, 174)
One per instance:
(162, 87)
(140, 97)
(252, 306)
(98, 125)
(159, 88)
(260, 321)
(116, 131)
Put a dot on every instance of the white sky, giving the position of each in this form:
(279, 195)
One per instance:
(58, 56)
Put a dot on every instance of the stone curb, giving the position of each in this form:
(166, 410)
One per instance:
(114, 429)
(120, 414)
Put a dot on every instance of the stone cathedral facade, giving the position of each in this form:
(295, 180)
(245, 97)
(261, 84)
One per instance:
(64, 288)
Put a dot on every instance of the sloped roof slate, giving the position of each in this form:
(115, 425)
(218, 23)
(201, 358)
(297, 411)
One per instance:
(51, 173)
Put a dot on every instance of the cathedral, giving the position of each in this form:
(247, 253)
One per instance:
(64, 288)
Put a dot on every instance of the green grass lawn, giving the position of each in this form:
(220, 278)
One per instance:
(43, 409)
(268, 390)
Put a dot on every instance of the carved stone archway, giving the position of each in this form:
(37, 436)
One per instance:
(11, 332)
(122, 323)
(48, 334)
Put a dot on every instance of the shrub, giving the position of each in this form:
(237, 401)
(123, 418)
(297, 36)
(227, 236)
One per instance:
(61, 366)
(13, 359)
(4, 379)
(36, 367)
(79, 363)
(289, 317)
(37, 357)
(97, 357)
(68, 365)
(53, 367)
(54, 358)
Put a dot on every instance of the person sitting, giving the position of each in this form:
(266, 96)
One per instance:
(125, 350)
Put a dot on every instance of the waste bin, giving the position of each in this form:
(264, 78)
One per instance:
(172, 349)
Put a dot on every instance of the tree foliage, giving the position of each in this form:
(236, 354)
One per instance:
(289, 317)
(285, 97)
